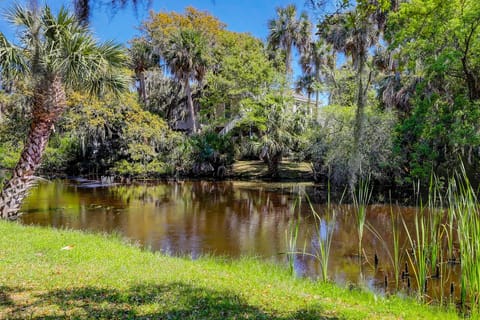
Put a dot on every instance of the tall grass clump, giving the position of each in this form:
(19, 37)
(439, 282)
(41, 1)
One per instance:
(291, 236)
(418, 254)
(467, 212)
(419, 244)
(395, 254)
(324, 230)
(361, 198)
(451, 216)
(435, 211)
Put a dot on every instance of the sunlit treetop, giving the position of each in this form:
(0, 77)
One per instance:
(163, 24)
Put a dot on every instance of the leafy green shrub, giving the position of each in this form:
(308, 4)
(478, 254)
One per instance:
(211, 152)
(9, 154)
(153, 168)
(332, 145)
(61, 151)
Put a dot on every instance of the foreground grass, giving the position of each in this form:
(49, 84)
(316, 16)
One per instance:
(101, 277)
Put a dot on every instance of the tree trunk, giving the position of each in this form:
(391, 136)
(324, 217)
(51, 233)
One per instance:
(309, 102)
(273, 162)
(142, 91)
(48, 103)
(470, 77)
(288, 63)
(356, 161)
(191, 108)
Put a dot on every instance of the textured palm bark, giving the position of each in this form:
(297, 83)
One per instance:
(273, 164)
(356, 161)
(48, 103)
(193, 119)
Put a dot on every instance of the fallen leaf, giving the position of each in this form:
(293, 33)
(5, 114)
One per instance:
(67, 248)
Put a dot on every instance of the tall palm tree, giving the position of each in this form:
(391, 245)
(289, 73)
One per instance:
(142, 57)
(354, 32)
(55, 53)
(186, 54)
(306, 83)
(312, 60)
(287, 32)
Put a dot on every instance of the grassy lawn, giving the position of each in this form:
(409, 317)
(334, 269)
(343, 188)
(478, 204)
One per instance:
(102, 277)
(288, 170)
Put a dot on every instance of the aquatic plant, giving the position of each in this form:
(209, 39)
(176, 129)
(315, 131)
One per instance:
(435, 213)
(419, 243)
(468, 230)
(417, 256)
(291, 237)
(324, 229)
(322, 242)
(395, 254)
(361, 198)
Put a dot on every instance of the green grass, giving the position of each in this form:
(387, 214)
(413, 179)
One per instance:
(288, 170)
(102, 277)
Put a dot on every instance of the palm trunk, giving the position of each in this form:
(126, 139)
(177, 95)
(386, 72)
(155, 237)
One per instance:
(142, 91)
(191, 108)
(48, 103)
(309, 102)
(317, 95)
(356, 161)
(273, 163)
(288, 63)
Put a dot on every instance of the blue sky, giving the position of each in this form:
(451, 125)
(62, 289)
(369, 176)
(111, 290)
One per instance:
(239, 15)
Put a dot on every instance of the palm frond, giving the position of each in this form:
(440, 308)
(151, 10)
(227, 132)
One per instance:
(12, 62)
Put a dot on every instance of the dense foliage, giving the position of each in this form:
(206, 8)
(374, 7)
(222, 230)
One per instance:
(389, 90)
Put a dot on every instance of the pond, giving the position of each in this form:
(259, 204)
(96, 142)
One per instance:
(237, 219)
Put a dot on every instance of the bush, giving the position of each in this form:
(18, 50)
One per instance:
(332, 145)
(211, 153)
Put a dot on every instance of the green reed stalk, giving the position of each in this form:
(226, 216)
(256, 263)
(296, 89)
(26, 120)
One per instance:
(324, 229)
(442, 270)
(396, 246)
(451, 195)
(435, 215)
(361, 199)
(291, 237)
(393, 254)
(419, 254)
(468, 232)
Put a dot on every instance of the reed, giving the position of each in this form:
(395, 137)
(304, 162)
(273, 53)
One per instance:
(361, 198)
(468, 230)
(435, 211)
(395, 253)
(324, 230)
(291, 236)
(418, 255)
(452, 191)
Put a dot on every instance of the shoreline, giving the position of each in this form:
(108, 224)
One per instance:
(60, 273)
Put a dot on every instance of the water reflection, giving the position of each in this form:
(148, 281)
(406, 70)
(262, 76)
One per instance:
(225, 218)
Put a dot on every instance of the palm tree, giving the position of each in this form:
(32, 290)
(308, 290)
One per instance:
(313, 59)
(306, 83)
(55, 53)
(186, 54)
(354, 33)
(286, 32)
(142, 58)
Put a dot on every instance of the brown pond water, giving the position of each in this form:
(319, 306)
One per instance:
(234, 219)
